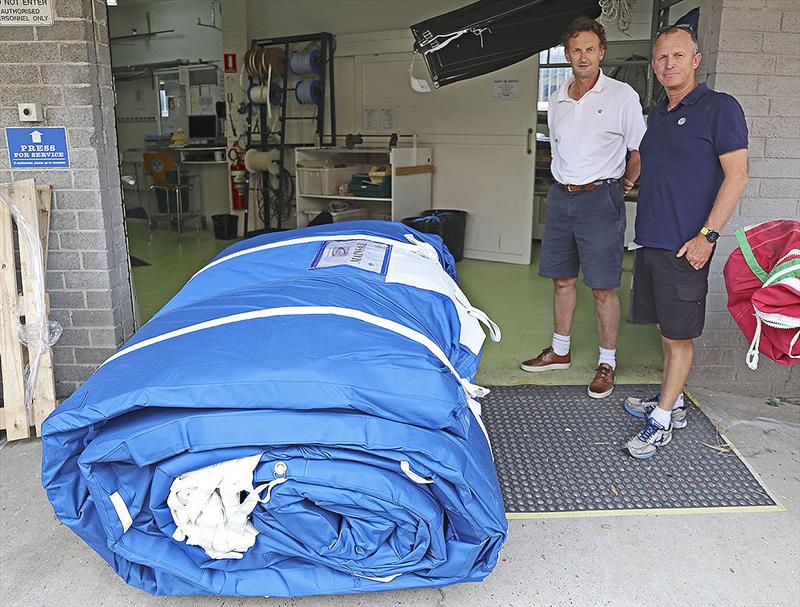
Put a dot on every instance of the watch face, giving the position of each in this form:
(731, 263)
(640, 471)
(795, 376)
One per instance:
(712, 236)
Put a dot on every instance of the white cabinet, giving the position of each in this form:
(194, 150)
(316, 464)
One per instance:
(320, 171)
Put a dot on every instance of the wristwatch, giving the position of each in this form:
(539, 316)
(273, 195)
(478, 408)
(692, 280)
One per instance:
(712, 236)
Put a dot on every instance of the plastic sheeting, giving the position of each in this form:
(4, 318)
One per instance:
(340, 358)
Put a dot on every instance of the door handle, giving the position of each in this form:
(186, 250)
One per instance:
(530, 132)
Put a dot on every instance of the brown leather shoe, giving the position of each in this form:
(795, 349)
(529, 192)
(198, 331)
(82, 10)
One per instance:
(546, 361)
(603, 383)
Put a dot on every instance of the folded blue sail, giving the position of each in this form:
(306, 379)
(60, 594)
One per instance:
(299, 419)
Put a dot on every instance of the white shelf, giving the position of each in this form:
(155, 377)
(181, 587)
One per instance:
(385, 151)
(346, 197)
(411, 194)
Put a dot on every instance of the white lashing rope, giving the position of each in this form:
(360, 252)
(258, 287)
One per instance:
(617, 12)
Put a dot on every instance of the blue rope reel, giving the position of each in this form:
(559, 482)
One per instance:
(308, 92)
(305, 63)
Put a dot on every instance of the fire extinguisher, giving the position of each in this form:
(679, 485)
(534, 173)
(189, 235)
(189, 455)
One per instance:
(240, 178)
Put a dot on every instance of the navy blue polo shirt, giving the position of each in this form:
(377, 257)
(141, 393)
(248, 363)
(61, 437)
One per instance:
(681, 173)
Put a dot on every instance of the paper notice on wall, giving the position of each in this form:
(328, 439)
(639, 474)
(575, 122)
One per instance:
(372, 119)
(194, 101)
(206, 106)
(26, 12)
(389, 119)
(380, 119)
(506, 90)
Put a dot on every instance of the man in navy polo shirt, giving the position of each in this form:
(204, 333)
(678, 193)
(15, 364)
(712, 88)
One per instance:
(694, 169)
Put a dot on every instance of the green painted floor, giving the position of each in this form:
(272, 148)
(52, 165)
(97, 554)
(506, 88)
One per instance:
(173, 259)
(512, 295)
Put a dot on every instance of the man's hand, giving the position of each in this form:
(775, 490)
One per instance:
(697, 251)
(627, 185)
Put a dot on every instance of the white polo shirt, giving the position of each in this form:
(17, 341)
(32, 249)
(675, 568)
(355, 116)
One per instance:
(589, 138)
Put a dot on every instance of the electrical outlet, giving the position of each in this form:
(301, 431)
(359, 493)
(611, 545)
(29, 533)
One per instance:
(30, 112)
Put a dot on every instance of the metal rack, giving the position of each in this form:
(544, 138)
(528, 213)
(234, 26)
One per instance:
(262, 141)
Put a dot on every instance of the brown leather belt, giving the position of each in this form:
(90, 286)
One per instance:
(587, 187)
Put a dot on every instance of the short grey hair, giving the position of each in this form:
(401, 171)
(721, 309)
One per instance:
(678, 28)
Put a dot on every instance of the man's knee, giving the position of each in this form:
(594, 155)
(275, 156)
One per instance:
(677, 344)
(564, 283)
(604, 295)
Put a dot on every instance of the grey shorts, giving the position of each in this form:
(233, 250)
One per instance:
(667, 290)
(585, 231)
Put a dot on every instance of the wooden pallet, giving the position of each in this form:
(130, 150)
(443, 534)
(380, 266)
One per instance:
(34, 204)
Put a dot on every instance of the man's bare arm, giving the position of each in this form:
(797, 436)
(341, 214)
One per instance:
(734, 165)
(631, 171)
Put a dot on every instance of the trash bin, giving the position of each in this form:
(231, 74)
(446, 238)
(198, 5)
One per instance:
(226, 227)
(450, 224)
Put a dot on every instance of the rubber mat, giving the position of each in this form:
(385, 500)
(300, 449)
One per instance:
(558, 451)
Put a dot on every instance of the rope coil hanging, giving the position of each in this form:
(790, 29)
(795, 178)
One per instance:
(305, 63)
(617, 12)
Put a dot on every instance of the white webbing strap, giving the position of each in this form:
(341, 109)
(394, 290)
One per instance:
(494, 330)
(421, 480)
(474, 390)
(481, 316)
(388, 578)
(122, 510)
(389, 325)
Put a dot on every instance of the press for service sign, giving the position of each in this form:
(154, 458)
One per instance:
(43, 147)
(26, 12)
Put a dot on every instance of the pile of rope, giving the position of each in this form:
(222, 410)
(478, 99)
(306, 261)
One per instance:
(618, 12)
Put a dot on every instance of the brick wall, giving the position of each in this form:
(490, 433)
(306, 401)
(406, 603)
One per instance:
(751, 50)
(67, 68)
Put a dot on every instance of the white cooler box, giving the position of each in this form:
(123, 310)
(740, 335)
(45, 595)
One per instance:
(323, 181)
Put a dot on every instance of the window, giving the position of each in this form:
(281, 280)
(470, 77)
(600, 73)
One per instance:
(554, 70)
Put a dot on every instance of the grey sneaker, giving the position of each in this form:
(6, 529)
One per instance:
(652, 436)
(643, 407)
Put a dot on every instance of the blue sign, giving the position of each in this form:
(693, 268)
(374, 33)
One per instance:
(43, 147)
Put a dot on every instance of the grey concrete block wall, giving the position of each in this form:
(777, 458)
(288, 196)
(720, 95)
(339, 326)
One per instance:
(67, 68)
(749, 47)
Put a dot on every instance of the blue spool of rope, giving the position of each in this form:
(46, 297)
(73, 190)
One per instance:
(305, 63)
(308, 92)
(275, 93)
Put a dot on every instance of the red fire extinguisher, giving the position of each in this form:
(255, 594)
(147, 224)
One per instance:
(240, 178)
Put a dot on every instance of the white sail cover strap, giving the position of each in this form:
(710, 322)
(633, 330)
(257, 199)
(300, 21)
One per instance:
(389, 325)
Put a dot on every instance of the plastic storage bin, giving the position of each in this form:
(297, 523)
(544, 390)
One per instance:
(323, 181)
(361, 185)
(226, 227)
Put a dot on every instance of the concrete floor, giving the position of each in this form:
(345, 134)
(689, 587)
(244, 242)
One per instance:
(725, 560)
(728, 560)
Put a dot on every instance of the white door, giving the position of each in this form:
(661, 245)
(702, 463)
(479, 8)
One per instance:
(479, 132)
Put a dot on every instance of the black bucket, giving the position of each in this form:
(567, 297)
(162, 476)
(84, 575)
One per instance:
(226, 227)
(450, 224)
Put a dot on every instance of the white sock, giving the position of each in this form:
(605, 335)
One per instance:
(560, 344)
(680, 402)
(663, 417)
(608, 357)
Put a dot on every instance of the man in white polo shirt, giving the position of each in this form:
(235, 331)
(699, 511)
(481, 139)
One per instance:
(596, 124)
